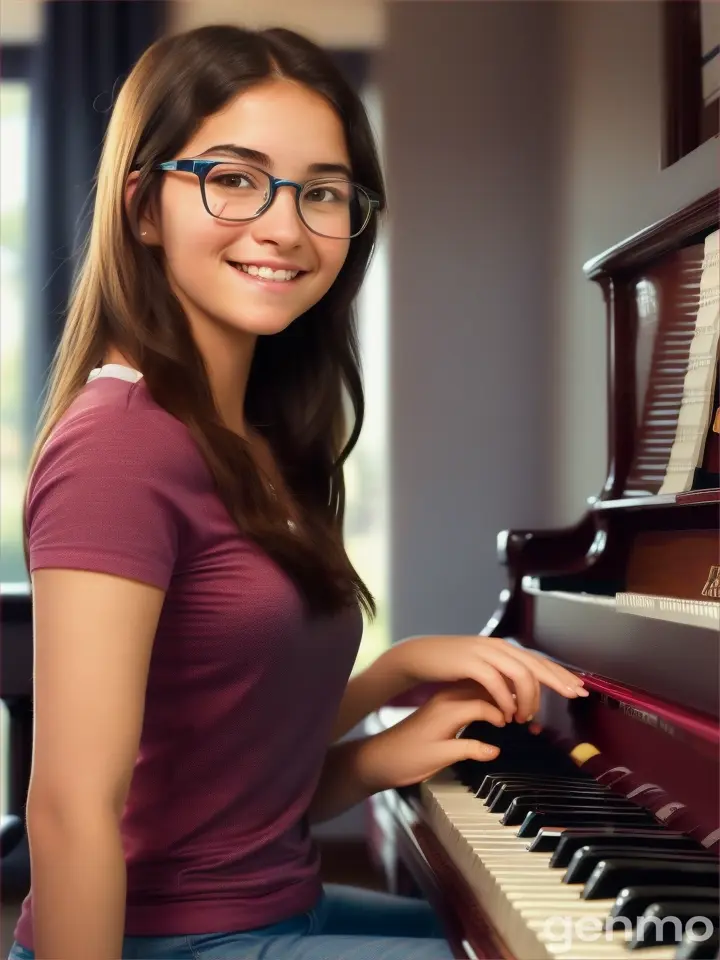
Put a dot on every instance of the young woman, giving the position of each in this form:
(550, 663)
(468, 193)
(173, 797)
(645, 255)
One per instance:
(196, 615)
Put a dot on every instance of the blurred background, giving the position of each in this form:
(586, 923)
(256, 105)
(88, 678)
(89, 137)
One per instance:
(520, 138)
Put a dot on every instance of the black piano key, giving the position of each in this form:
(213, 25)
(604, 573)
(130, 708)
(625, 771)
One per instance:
(610, 877)
(633, 901)
(587, 858)
(664, 923)
(500, 800)
(492, 779)
(568, 818)
(549, 840)
(520, 806)
(496, 784)
(708, 949)
(568, 815)
(572, 841)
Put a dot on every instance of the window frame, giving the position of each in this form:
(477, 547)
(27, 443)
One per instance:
(18, 65)
(687, 121)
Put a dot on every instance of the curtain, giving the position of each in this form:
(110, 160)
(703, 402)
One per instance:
(86, 50)
(355, 66)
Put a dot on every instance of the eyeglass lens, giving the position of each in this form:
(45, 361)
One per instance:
(331, 207)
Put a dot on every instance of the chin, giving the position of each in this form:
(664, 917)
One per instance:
(261, 325)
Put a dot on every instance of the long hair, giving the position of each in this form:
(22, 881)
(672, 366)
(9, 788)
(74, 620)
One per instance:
(302, 381)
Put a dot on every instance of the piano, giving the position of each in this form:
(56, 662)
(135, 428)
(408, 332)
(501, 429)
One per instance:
(595, 832)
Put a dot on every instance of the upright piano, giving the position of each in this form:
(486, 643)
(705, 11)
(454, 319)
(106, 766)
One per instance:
(595, 832)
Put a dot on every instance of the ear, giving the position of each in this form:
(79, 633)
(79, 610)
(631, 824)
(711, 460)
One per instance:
(148, 223)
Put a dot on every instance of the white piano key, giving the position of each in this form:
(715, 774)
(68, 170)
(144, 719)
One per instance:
(518, 890)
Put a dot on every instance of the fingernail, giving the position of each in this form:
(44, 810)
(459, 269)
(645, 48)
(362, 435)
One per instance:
(582, 692)
(490, 750)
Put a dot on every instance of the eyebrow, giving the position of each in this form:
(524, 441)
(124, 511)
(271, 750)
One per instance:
(263, 160)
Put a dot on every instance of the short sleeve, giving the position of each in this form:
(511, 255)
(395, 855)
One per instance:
(106, 495)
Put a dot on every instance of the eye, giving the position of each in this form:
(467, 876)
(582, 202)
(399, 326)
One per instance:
(329, 191)
(234, 181)
(232, 176)
(322, 195)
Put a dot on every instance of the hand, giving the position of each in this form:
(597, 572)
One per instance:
(425, 742)
(511, 675)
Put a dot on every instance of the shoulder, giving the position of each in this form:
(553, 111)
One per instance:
(115, 487)
(115, 429)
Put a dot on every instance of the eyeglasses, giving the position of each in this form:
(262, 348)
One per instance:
(330, 206)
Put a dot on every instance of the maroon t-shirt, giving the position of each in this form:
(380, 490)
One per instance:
(243, 687)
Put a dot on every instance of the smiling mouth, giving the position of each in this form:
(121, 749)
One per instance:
(267, 273)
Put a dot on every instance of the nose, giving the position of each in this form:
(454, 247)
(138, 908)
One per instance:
(281, 223)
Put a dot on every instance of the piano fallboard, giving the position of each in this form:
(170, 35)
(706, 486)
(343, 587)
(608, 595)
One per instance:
(671, 660)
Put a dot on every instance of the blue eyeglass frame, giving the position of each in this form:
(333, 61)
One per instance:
(201, 169)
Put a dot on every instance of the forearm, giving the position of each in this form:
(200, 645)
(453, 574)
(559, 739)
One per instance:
(79, 887)
(371, 689)
(346, 780)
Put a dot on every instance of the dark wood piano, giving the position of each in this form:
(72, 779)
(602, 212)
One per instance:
(604, 807)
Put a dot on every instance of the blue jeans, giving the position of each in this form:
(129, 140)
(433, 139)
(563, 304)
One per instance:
(347, 923)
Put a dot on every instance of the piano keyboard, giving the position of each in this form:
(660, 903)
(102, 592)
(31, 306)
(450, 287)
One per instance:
(536, 913)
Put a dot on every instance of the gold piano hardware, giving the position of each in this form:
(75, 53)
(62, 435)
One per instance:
(582, 753)
(712, 587)
(716, 421)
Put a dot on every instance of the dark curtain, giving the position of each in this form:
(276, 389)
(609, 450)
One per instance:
(355, 65)
(87, 48)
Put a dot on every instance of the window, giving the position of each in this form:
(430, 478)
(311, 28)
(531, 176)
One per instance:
(14, 420)
(15, 431)
(366, 472)
(691, 40)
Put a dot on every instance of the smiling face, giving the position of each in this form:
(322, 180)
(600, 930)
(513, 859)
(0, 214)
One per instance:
(218, 269)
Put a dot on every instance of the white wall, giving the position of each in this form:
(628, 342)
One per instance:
(20, 20)
(335, 23)
(470, 140)
(610, 186)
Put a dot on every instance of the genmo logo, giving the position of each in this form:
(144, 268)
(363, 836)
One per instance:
(568, 932)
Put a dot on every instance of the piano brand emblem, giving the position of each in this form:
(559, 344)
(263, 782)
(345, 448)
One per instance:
(651, 719)
(712, 587)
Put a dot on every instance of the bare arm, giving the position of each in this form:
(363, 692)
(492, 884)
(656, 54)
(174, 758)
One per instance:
(371, 689)
(345, 780)
(93, 640)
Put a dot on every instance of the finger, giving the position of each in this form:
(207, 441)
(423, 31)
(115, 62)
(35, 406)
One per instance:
(471, 750)
(548, 672)
(523, 714)
(446, 719)
(489, 677)
(562, 674)
(523, 678)
(549, 666)
(467, 712)
(528, 700)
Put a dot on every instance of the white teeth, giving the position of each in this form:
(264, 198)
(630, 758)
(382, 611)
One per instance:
(267, 273)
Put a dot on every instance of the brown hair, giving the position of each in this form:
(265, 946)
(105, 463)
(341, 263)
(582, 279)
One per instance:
(300, 378)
